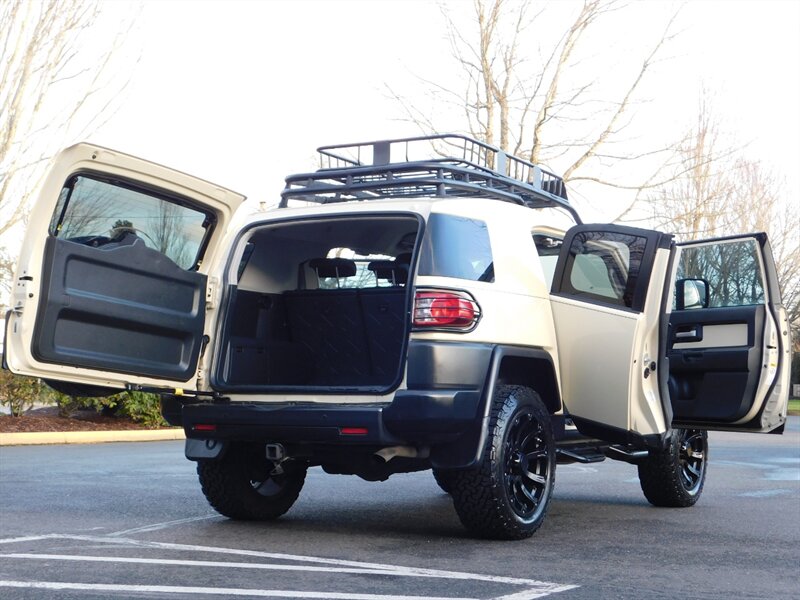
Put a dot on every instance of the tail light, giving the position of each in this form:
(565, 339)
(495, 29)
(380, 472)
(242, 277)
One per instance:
(204, 427)
(444, 309)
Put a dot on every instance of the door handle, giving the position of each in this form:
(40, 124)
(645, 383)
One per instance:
(686, 334)
(695, 334)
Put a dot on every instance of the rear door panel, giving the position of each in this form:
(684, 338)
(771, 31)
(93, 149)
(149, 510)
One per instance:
(127, 309)
(112, 283)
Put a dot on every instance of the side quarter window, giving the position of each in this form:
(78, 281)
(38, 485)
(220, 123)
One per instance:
(547, 248)
(458, 247)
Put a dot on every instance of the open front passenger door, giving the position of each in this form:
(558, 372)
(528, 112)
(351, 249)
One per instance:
(728, 344)
(654, 335)
(112, 279)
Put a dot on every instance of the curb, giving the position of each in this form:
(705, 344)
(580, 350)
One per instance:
(90, 437)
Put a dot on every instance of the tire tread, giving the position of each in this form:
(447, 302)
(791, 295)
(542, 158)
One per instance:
(660, 477)
(226, 486)
(477, 493)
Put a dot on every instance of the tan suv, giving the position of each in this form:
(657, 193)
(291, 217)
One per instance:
(414, 304)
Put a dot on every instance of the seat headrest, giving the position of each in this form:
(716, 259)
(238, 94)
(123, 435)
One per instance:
(390, 270)
(333, 267)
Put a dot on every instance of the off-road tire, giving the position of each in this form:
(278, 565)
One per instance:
(507, 496)
(675, 476)
(241, 485)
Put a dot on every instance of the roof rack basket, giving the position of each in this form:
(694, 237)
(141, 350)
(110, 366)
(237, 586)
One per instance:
(447, 165)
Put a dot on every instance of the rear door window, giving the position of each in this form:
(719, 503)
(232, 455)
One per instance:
(606, 266)
(97, 212)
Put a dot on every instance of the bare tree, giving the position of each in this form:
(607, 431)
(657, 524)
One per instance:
(51, 92)
(547, 109)
(715, 190)
(6, 275)
(168, 234)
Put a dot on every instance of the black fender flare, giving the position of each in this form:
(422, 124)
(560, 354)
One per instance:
(466, 451)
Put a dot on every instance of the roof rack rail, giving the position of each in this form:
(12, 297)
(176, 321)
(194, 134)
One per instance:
(460, 167)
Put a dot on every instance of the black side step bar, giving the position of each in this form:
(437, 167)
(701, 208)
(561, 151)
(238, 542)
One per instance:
(582, 455)
(593, 454)
(633, 457)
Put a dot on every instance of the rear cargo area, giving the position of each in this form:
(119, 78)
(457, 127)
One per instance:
(319, 304)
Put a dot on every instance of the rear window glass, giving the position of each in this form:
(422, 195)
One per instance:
(457, 247)
(367, 274)
(98, 213)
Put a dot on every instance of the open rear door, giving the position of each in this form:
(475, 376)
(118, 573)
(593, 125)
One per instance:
(607, 296)
(653, 335)
(111, 284)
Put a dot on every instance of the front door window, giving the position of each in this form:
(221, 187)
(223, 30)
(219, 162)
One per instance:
(731, 270)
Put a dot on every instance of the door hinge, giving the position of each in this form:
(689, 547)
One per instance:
(21, 293)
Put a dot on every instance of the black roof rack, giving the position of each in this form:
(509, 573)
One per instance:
(460, 167)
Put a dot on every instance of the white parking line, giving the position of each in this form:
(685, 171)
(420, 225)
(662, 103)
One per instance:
(433, 573)
(772, 471)
(533, 588)
(29, 538)
(203, 591)
(164, 525)
(208, 563)
(765, 493)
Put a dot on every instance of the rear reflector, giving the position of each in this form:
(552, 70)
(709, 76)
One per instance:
(445, 309)
(353, 431)
(204, 427)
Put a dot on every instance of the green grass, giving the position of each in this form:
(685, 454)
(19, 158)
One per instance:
(794, 406)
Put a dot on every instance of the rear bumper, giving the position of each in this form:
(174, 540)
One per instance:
(445, 385)
(292, 423)
(412, 418)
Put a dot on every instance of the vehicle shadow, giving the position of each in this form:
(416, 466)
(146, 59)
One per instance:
(422, 515)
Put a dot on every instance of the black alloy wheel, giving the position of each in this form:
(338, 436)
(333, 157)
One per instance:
(675, 475)
(527, 465)
(693, 447)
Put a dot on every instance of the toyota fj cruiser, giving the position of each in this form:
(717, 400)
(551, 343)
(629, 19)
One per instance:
(413, 304)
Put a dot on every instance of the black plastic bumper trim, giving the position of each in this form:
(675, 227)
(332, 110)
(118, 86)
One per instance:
(286, 423)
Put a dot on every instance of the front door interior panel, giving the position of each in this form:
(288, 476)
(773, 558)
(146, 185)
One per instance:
(713, 355)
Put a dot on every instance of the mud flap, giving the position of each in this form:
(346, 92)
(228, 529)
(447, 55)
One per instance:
(205, 449)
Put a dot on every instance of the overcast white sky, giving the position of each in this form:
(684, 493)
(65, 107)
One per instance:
(241, 93)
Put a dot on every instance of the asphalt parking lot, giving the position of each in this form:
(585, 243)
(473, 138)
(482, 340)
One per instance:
(129, 520)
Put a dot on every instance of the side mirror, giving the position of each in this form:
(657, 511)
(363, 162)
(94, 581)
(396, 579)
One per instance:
(691, 293)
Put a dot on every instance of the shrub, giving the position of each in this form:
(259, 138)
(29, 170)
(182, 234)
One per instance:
(142, 407)
(18, 392)
(139, 406)
(68, 404)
